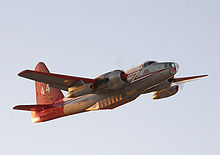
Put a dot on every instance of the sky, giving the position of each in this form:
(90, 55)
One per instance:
(87, 38)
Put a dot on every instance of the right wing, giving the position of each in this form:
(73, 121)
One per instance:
(58, 81)
(186, 79)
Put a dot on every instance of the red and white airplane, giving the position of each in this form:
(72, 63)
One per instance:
(107, 91)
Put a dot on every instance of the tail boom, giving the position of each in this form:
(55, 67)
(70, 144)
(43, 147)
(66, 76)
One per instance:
(47, 114)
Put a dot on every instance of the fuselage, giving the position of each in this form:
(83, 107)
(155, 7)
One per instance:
(140, 80)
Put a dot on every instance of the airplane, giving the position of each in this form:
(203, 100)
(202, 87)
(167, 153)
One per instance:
(107, 91)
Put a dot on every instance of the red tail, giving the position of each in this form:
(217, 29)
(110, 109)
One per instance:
(44, 93)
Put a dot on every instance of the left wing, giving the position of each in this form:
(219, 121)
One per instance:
(186, 79)
(58, 81)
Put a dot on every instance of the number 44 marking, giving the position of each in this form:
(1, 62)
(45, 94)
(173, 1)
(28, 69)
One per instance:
(47, 89)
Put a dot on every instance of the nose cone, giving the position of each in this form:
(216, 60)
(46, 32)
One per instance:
(174, 67)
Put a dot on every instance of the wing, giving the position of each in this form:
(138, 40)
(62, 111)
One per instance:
(186, 79)
(58, 81)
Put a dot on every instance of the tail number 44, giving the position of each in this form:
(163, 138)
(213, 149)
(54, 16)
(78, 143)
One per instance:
(43, 91)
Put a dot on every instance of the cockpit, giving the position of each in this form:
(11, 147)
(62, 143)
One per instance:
(148, 63)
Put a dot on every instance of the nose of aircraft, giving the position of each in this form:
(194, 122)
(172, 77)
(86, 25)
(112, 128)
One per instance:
(174, 67)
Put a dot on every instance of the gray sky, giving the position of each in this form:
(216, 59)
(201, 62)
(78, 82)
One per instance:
(85, 38)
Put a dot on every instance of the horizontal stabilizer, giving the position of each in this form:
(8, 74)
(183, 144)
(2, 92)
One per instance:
(186, 79)
(58, 81)
(33, 107)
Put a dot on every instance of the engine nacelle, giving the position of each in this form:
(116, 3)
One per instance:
(85, 89)
(166, 92)
(110, 81)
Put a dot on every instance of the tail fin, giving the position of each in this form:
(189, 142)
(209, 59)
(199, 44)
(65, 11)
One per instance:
(44, 93)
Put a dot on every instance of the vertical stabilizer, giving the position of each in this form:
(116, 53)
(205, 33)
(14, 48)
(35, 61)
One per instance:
(44, 93)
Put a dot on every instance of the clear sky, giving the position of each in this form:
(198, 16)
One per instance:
(86, 38)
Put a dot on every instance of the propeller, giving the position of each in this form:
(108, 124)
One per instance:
(181, 85)
(124, 76)
(120, 62)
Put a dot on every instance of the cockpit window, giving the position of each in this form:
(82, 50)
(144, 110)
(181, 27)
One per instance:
(148, 63)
